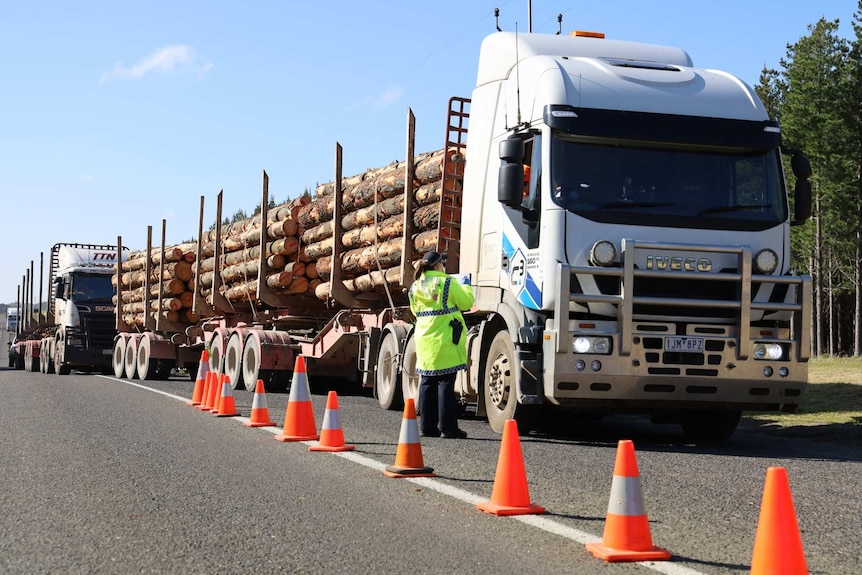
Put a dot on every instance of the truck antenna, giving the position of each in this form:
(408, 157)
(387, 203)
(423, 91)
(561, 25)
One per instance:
(497, 19)
(517, 78)
(559, 24)
(530, 16)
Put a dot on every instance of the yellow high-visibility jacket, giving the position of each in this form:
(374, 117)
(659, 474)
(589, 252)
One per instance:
(436, 299)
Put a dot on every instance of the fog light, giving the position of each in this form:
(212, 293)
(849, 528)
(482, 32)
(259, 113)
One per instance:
(580, 365)
(766, 261)
(767, 371)
(783, 371)
(596, 365)
(603, 253)
(581, 345)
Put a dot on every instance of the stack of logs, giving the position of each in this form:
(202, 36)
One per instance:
(299, 246)
(373, 223)
(176, 282)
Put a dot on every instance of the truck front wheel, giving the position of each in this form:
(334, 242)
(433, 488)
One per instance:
(500, 387)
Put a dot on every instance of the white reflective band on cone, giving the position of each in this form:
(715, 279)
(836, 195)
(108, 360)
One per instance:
(626, 496)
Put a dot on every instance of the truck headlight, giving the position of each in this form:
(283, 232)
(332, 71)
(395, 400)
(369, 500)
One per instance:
(766, 261)
(599, 345)
(771, 351)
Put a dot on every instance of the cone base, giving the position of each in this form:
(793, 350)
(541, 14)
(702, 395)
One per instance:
(498, 509)
(332, 448)
(283, 437)
(393, 471)
(226, 414)
(193, 403)
(614, 555)
(260, 424)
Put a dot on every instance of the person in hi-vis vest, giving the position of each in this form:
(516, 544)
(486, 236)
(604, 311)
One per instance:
(437, 300)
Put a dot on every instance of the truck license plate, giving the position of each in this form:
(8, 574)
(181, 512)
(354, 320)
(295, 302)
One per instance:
(683, 344)
(107, 351)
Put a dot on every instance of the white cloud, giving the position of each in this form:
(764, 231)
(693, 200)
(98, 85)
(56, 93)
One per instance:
(176, 59)
(388, 96)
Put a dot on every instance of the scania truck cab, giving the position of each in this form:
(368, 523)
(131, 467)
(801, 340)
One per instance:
(82, 309)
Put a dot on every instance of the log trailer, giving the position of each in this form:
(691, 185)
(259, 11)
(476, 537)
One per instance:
(644, 265)
(77, 329)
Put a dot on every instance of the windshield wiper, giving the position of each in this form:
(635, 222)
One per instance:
(736, 208)
(633, 204)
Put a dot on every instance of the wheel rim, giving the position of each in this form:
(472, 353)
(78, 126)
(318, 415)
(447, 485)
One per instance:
(250, 364)
(499, 381)
(387, 380)
(233, 361)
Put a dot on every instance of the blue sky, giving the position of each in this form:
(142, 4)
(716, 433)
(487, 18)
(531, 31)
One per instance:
(117, 115)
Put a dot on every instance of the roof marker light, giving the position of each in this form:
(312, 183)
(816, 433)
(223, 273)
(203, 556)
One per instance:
(586, 34)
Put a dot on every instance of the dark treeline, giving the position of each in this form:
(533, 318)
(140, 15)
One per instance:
(816, 94)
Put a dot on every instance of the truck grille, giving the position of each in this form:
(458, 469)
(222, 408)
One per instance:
(683, 298)
(100, 328)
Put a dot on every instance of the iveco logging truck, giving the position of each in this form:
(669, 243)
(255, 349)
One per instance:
(77, 330)
(640, 265)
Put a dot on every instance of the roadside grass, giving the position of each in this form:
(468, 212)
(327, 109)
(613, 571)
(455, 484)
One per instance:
(831, 408)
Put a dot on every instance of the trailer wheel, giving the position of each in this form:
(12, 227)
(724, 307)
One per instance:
(387, 380)
(409, 377)
(706, 426)
(131, 358)
(500, 387)
(118, 358)
(233, 361)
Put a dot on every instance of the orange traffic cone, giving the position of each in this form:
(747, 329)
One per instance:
(226, 404)
(510, 496)
(259, 411)
(203, 370)
(778, 544)
(408, 458)
(627, 536)
(331, 434)
(214, 394)
(299, 424)
(206, 397)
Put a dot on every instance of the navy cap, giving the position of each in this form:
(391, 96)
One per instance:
(431, 259)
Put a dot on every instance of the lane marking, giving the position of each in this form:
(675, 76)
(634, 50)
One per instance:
(537, 521)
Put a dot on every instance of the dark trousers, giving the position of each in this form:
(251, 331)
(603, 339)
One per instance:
(438, 407)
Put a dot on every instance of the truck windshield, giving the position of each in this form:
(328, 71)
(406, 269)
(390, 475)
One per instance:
(667, 186)
(87, 287)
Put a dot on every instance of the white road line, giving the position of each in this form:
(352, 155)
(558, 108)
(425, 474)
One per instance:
(537, 521)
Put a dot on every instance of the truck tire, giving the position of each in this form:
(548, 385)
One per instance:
(60, 366)
(131, 358)
(709, 426)
(387, 378)
(409, 377)
(118, 357)
(233, 360)
(500, 387)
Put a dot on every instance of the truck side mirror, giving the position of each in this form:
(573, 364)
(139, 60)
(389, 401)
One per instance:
(510, 186)
(801, 202)
(58, 288)
(801, 167)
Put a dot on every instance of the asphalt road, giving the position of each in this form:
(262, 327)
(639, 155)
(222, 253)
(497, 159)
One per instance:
(107, 476)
